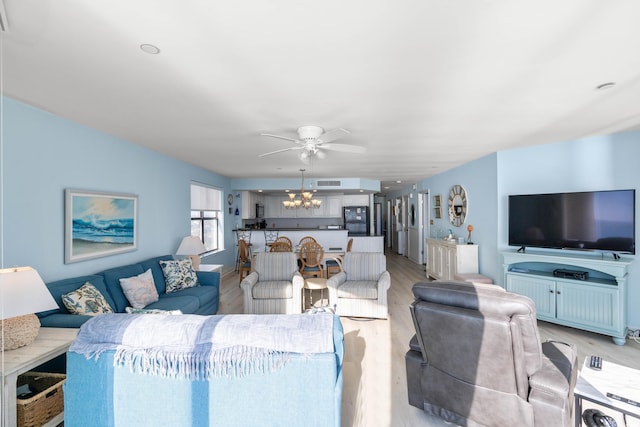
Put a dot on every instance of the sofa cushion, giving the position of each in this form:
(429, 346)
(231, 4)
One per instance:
(112, 278)
(65, 286)
(87, 300)
(158, 276)
(131, 310)
(205, 294)
(140, 290)
(187, 304)
(276, 289)
(359, 289)
(179, 274)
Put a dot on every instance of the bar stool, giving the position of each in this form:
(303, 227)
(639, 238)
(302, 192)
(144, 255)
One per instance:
(270, 237)
(246, 236)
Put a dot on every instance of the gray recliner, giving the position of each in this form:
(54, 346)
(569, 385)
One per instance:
(477, 359)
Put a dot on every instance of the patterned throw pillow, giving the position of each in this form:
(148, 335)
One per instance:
(140, 290)
(179, 274)
(131, 310)
(86, 300)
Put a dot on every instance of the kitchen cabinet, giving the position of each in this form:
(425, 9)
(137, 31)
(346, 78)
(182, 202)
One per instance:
(249, 200)
(355, 200)
(333, 208)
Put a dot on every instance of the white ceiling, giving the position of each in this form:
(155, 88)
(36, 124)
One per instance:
(424, 85)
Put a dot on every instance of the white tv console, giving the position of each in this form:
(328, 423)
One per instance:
(598, 304)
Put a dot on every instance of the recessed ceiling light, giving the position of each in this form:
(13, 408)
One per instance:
(607, 85)
(398, 182)
(149, 48)
(386, 187)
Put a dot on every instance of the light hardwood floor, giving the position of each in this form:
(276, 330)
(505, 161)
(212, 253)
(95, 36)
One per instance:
(375, 390)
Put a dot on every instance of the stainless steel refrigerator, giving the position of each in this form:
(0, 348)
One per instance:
(356, 220)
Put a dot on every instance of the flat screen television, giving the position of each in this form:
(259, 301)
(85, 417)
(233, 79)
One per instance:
(590, 220)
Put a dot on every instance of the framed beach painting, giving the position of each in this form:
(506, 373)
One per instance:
(99, 224)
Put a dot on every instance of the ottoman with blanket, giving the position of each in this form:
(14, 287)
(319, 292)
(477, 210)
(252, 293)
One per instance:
(191, 370)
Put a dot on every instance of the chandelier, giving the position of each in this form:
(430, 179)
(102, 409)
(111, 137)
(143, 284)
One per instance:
(305, 201)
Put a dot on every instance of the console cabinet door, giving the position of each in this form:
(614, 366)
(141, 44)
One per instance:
(541, 291)
(595, 306)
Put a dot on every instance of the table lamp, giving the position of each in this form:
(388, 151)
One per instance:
(192, 246)
(22, 293)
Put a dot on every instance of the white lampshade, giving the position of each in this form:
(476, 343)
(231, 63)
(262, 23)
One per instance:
(22, 291)
(192, 246)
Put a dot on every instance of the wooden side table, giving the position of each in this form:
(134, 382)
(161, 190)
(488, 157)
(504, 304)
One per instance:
(50, 343)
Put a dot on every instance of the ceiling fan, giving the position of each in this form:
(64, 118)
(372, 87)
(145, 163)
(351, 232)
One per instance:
(313, 139)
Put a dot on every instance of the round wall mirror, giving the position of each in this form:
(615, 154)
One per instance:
(457, 205)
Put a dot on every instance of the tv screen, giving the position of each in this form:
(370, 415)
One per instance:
(595, 220)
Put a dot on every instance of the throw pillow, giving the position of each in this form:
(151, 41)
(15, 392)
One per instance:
(140, 290)
(179, 274)
(86, 300)
(132, 310)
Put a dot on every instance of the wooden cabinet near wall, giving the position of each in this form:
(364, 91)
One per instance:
(445, 259)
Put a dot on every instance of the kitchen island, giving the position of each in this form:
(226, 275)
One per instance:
(329, 239)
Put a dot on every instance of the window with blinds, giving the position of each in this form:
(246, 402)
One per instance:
(206, 216)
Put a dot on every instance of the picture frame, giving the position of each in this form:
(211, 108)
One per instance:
(99, 224)
(437, 212)
(437, 206)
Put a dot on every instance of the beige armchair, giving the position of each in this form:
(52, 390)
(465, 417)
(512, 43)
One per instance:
(360, 289)
(274, 286)
(477, 359)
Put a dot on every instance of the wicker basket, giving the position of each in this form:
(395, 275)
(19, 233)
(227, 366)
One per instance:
(46, 403)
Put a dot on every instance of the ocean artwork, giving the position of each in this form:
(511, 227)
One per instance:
(99, 224)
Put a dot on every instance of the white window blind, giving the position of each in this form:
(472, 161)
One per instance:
(205, 198)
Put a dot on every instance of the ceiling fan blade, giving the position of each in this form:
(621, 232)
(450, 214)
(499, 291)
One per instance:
(286, 138)
(345, 148)
(332, 135)
(280, 151)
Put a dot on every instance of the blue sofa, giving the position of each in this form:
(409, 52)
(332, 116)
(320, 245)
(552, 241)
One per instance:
(303, 390)
(202, 299)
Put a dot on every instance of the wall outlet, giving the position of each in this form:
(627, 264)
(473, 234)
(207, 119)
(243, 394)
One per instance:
(633, 333)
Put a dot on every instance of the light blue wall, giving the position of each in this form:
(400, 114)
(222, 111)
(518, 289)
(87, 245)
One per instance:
(479, 179)
(598, 163)
(44, 154)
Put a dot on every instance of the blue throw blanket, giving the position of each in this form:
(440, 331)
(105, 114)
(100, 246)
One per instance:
(200, 347)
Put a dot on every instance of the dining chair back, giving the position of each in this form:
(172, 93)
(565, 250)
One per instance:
(280, 247)
(244, 257)
(311, 255)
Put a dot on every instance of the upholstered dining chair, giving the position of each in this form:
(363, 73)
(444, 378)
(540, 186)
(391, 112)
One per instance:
(311, 255)
(360, 289)
(477, 359)
(334, 266)
(274, 286)
(244, 257)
